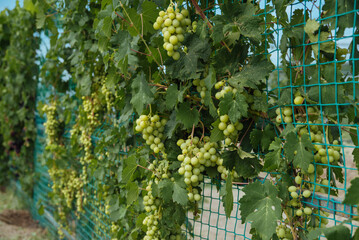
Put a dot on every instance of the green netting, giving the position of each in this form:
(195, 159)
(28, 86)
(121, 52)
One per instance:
(212, 223)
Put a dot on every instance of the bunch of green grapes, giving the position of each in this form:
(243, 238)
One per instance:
(297, 193)
(161, 168)
(92, 107)
(152, 205)
(152, 131)
(109, 97)
(196, 155)
(224, 88)
(201, 87)
(194, 27)
(284, 114)
(51, 125)
(324, 153)
(230, 130)
(284, 232)
(173, 24)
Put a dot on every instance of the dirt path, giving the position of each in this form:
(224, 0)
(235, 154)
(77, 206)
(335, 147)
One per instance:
(15, 223)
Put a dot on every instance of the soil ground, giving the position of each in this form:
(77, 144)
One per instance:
(15, 222)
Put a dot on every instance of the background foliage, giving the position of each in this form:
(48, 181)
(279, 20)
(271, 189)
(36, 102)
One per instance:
(18, 81)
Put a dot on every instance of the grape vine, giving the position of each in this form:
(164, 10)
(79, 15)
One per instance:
(147, 116)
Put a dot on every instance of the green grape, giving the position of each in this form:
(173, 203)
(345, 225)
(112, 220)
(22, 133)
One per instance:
(306, 193)
(298, 100)
(292, 189)
(298, 179)
(307, 211)
(299, 212)
(294, 195)
(311, 168)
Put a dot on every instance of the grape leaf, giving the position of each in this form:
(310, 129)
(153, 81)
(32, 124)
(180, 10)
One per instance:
(171, 125)
(107, 26)
(245, 164)
(229, 158)
(227, 196)
(166, 189)
(132, 192)
(216, 134)
(180, 192)
(141, 93)
(171, 96)
(209, 81)
(285, 97)
(236, 107)
(187, 115)
(253, 74)
(118, 214)
(261, 206)
(304, 154)
(143, 18)
(260, 103)
(175, 191)
(331, 233)
(273, 159)
(290, 145)
(342, 9)
(356, 157)
(189, 64)
(124, 56)
(131, 166)
(267, 137)
(352, 196)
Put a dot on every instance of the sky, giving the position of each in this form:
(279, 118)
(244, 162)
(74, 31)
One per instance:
(8, 4)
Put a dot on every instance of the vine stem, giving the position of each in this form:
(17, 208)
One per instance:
(158, 85)
(290, 225)
(147, 169)
(140, 52)
(192, 134)
(202, 130)
(141, 36)
(240, 142)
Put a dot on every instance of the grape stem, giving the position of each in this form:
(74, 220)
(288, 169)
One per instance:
(202, 130)
(141, 36)
(290, 225)
(140, 52)
(240, 142)
(147, 169)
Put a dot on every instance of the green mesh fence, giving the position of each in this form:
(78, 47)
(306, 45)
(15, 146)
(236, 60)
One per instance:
(212, 223)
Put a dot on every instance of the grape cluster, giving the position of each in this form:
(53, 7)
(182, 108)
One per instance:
(51, 125)
(283, 232)
(295, 202)
(109, 97)
(224, 88)
(152, 131)
(160, 168)
(173, 23)
(284, 114)
(201, 88)
(151, 221)
(230, 130)
(92, 106)
(324, 153)
(196, 155)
